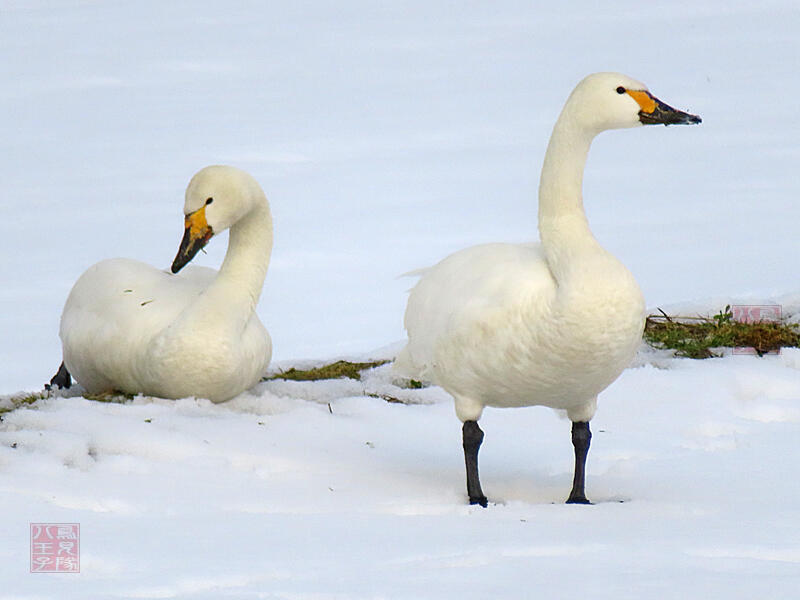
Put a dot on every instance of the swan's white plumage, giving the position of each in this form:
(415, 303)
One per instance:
(548, 324)
(127, 326)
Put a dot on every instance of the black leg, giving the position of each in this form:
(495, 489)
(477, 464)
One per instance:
(581, 438)
(473, 436)
(62, 379)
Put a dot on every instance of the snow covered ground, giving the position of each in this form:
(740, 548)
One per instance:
(278, 494)
(387, 135)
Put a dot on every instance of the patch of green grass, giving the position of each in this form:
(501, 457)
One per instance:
(23, 400)
(693, 337)
(337, 370)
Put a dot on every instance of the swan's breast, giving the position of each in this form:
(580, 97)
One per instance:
(208, 360)
(558, 347)
(600, 306)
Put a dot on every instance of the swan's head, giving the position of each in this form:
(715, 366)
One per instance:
(614, 101)
(216, 198)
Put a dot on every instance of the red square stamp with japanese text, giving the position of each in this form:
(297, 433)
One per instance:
(755, 313)
(55, 548)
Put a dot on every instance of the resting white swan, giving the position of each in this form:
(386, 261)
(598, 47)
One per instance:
(550, 324)
(130, 327)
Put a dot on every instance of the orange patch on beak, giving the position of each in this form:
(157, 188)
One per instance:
(644, 100)
(196, 223)
(195, 236)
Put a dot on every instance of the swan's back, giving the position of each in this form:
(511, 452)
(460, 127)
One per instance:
(116, 307)
(462, 291)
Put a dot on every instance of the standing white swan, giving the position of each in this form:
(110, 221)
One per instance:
(550, 324)
(132, 328)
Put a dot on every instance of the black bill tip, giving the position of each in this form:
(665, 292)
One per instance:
(664, 114)
(190, 245)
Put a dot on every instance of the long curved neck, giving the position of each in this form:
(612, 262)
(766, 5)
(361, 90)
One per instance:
(563, 227)
(240, 280)
(249, 250)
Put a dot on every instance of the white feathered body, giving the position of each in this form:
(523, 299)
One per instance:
(549, 324)
(130, 327)
(492, 327)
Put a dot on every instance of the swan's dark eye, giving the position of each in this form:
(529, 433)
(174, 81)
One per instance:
(620, 90)
(209, 201)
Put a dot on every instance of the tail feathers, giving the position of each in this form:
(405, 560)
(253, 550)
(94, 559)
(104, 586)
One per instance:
(415, 272)
(403, 366)
(406, 367)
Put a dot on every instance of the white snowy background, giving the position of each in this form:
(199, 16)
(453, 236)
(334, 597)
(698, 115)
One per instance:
(387, 135)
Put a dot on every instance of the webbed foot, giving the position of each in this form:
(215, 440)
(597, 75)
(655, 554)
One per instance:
(62, 379)
(479, 500)
(577, 500)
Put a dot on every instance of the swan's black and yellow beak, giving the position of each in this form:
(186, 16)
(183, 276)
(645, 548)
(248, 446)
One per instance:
(195, 236)
(655, 112)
